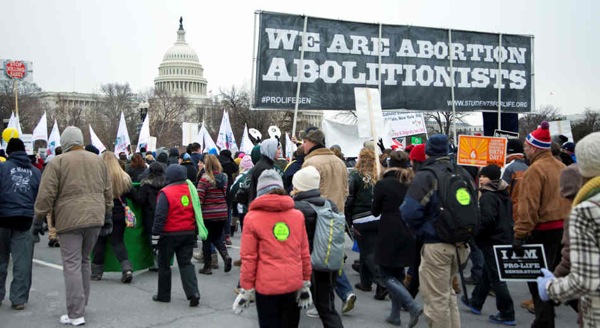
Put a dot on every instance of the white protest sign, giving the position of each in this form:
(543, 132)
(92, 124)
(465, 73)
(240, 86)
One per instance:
(402, 124)
(28, 142)
(368, 111)
(561, 127)
(189, 133)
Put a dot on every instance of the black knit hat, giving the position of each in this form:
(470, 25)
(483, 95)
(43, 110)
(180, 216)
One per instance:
(491, 171)
(14, 144)
(514, 146)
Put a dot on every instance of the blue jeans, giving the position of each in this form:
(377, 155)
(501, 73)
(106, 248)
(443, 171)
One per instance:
(343, 288)
(393, 277)
(18, 244)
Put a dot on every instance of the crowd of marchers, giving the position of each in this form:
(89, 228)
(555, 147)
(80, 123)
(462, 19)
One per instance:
(415, 217)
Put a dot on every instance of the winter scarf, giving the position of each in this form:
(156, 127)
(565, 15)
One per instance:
(588, 190)
(202, 231)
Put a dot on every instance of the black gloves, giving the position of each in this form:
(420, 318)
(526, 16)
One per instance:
(518, 247)
(381, 146)
(108, 224)
(37, 229)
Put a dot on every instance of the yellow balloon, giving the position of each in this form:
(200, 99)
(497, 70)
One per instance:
(9, 133)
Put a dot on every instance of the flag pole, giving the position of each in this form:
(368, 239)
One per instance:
(300, 75)
(16, 90)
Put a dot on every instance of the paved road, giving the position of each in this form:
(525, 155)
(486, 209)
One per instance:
(113, 304)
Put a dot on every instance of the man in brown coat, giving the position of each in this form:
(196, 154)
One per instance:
(541, 212)
(77, 191)
(333, 172)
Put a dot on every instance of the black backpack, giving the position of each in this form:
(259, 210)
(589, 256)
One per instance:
(459, 212)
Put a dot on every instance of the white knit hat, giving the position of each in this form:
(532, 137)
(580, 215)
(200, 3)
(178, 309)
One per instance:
(306, 179)
(587, 151)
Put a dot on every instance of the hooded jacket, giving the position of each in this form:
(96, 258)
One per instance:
(19, 184)
(174, 213)
(496, 223)
(76, 190)
(173, 156)
(149, 189)
(275, 253)
(213, 197)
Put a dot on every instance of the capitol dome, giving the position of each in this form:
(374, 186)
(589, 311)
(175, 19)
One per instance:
(180, 70)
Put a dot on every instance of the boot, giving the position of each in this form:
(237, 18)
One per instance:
(97, 271)
(226, 258)
(214, 261)
(206, 269)
(198, 256)
(380, 293)
(528, 305)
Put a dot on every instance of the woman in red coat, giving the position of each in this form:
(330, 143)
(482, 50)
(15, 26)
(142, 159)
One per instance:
(279, 275)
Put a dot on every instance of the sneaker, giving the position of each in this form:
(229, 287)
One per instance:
(497, 318)
(312, 313)
(359, 286)
(349, 303)
(228, 242)
(472, 308)
(65, 320)
(18, 307)
(127, 277)
(198, 256)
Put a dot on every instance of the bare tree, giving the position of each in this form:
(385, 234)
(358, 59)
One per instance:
(30, 107)
(168, 111)
(66, 115)
(104, 117)
(530, 121)
(444, 120)
(589, 124)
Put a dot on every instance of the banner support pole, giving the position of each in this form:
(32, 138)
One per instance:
(373, 132)
(379, 60)
(454, 140)
(252, 77)
(300, 75)
(16, 90)
(500, 82)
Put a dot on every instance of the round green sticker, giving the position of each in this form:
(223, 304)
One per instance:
(281, 231)
(463, 197)
(185, 201)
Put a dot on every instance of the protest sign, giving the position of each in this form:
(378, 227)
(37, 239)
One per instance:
(561, 127)
(402, 124)
(316, 63)
(515, 268)
(506, 134)
(481, 151)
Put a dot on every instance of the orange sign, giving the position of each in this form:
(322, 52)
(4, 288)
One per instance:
(481, 151)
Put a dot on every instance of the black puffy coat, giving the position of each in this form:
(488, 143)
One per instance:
(496, 226)
(301, 201)
(395, 246)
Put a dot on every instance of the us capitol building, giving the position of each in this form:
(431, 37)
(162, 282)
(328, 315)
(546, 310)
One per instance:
(179, 72)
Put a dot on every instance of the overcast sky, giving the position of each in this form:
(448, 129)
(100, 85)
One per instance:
(79, 45)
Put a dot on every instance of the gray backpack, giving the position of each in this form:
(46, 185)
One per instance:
(328, 242)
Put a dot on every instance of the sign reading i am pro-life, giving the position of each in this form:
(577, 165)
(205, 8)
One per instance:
(520, 268)
(481, 151)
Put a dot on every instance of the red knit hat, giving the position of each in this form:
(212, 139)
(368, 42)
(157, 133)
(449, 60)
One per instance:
(417, 154)
(540, 138)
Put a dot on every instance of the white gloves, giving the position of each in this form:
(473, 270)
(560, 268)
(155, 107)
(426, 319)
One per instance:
(303, 296)
(243, 299)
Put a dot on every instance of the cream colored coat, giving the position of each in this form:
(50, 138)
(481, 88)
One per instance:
(334, 175)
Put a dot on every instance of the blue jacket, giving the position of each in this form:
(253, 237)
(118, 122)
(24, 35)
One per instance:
(19, 184)
(421, 206)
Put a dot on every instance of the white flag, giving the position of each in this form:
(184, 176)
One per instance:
(122, 142)
(246, 144)
(53, 139)
(205, 140)
(290, 147)
(41, 130)
(226, 140)
(96, 141)
(13, 122)
(144, 135)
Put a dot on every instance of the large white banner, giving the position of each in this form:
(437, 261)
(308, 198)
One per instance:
(189, 133)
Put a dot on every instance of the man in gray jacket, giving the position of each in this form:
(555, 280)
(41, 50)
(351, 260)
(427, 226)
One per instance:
(76, 189)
